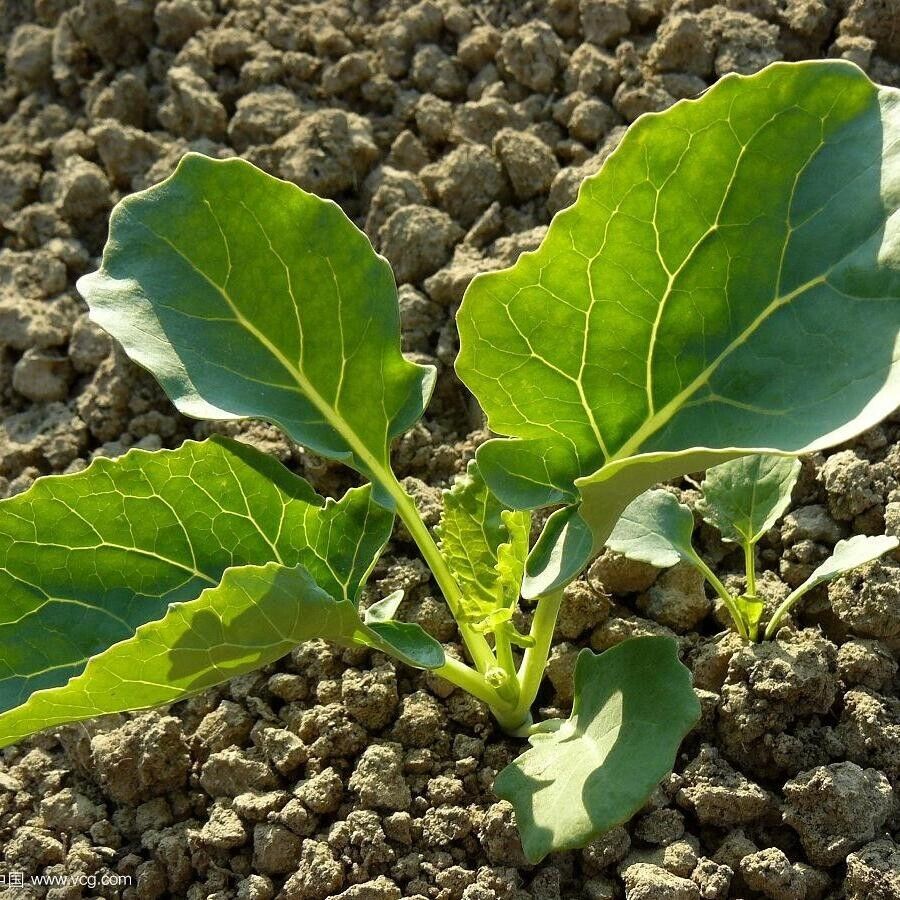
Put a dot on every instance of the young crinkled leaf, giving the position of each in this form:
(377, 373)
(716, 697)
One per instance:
(485, 545)
(729, 282)
(745, 497)
(246, 296)
(633, 705)
(171, 541)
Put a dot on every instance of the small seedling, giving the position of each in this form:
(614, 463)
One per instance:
(728, 282)
(743, 499)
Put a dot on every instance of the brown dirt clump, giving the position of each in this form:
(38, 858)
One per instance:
(450, 132)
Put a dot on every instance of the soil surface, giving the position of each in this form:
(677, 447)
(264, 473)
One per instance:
(451, 132)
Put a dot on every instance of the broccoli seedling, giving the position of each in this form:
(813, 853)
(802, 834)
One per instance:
(728, 282)
(743, 499)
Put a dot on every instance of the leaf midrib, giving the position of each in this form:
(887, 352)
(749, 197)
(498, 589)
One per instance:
(654, 423)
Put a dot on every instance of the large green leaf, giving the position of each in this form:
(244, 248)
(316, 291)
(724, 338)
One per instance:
(253, 616)
(485, 545)
(85, 559)
(743, 498)
(633, 705)
(247, 296)
(728, 282)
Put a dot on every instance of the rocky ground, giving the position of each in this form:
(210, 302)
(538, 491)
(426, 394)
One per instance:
(451, 132)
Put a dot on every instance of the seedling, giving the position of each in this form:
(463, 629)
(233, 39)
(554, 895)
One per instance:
(743, 499)
(711, 293)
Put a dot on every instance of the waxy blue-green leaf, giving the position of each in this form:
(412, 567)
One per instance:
(655, 528)
(485, 545)
(745, 497)
(729, 282)
(85, 559)
(255, 615)
(407, 641)
(633, 705)
(560, 553)
(848, 555)
(246, 296)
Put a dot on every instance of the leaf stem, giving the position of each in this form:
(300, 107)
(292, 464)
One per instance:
(476, 643)
(735, 613)
(467, 678)
(503, 649)
(750, 566)
(784, 608)
(534, 661)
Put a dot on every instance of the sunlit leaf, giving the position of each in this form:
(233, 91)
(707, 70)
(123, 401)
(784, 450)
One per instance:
(246, 296)
(633, 705)
(255, 615)
(745, 497)
(729, 282)
(86, 559)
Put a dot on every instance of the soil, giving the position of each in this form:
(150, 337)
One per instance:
(451, 132)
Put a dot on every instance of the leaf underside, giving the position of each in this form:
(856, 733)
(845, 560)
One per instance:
(248, 297)
(633, 705)
(728, 282)
(745, 497)
(87, 559)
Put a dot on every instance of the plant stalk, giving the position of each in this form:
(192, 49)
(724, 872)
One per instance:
(753, 631)
(503, 649)
(534, 661)
(736, 615)
(750, 566)
(467, 678)
(476, 643)
(783, 609)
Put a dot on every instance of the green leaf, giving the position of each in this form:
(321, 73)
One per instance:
(383, 610)
(411, 643)
(254, 616)
(745, 497)
(848, 555)
(85, 559)
(751, 610)
(485, 546)
(561, 552)
(246, 296)
(729, 282)
(655, 528)
(633, 705)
